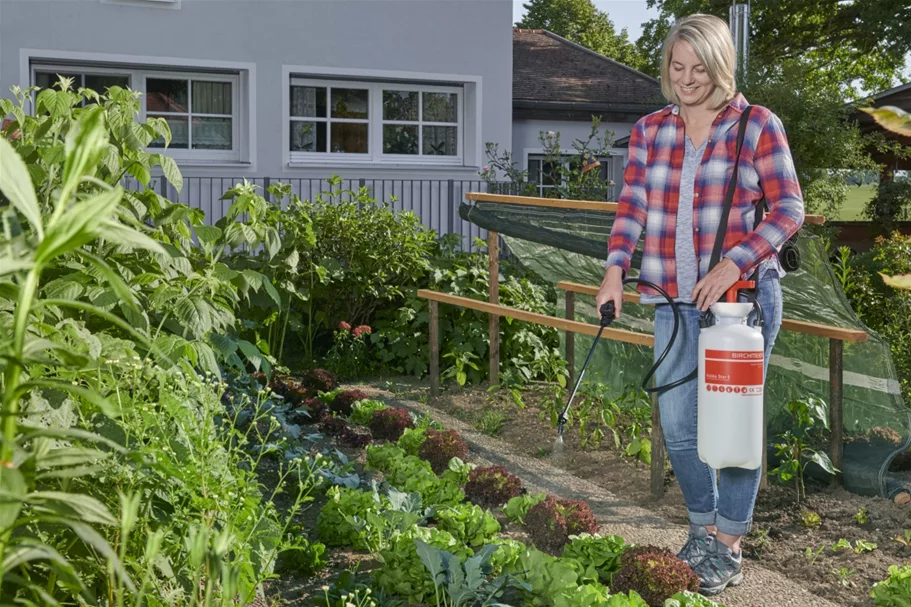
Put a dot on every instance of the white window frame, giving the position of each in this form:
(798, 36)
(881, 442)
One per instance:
(540, 154)
(241, 75)
(376, 122)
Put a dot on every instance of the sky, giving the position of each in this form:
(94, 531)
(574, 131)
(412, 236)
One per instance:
(630, 14)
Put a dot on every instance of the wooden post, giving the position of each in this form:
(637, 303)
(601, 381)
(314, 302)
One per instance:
(658, 454)
(434, 348)
(493, 253)
(571, 337)
(836, 407)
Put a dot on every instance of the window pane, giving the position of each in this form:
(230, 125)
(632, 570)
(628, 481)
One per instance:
(534, 170)
(440, 107)
(400, 139)
(349, 138)
(308, 101)
(212, 134)
(101, 82)
(349, 103)
(308, 136)
(400, 105)
(48, 80)
(180, 132)
(440, 140)
(211, 97)
(166, 95)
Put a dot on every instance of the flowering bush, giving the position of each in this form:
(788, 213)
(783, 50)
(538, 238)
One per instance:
(344, 401)
(551, 522)
(441, 446)
(390, 424)
(320, 380)
(655, 573)
(348, 355)
(492, 486)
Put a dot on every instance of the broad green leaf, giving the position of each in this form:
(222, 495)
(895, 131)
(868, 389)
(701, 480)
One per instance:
(194, 314)
(46, 100)
(899, 281)
(17, 186)
(141, 173)
(84, 145)
(891, 118)
(272, 242)
(28, 550)
(78, 225)
(171, 172)
(206, 357)
(80, 305)
(12, 492)
(254, 279)
(132, 239)
(207, 234)
(223, 345)
(86, 507)
(116, 283)
(267, 284)
(11, 266)
(104, 405)
(822, 459)
(432, 559)
(251, 352)
(61, 105)
(249, 233)
(96, 541)
(293, 260)
(31, 433)
(223, 272)
(69, 456)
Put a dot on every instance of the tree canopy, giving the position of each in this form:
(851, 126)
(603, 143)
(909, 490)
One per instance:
(580, 21)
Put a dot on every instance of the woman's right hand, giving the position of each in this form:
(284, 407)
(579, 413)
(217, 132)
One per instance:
(611, 290)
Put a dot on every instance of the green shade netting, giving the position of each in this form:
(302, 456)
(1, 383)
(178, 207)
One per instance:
(571, 245)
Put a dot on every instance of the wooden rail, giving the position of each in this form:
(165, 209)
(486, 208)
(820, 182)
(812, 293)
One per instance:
(585, 205)
(836, 335)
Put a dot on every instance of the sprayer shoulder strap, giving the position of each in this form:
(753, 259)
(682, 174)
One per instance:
(729, 199)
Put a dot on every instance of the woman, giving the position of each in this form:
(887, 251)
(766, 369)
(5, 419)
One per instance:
(680, 163)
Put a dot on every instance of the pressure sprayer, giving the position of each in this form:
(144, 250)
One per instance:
(730, 373)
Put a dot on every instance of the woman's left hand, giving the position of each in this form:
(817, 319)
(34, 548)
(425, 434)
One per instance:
(710, 289)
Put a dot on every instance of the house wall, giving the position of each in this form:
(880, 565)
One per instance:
(268, 41)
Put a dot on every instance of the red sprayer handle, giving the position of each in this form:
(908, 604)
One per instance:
(731, 294)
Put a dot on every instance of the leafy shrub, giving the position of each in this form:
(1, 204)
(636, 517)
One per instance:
(381, 457)
(458, 472)
(471, 525)
(344, 401)
(410, 473)
(412, 439)
(320, 380)
(894, 591)
(390, 424)
(552, 521)
(891, 203)
(518, 507)
(362, 411)
(332, 526)
(301, 557)
(655, 573)
(586, 595)
(403, 573)
(548, 577)
(603, 553)
(492, 486)
(440, 446)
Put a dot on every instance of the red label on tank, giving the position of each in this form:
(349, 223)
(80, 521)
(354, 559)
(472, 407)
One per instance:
(740, 369)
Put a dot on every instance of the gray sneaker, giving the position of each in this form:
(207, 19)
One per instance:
(696, 547)
(718, 570)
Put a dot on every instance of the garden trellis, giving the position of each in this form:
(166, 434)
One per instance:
(823, 349)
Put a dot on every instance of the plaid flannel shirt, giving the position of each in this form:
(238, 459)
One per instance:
(651, 191)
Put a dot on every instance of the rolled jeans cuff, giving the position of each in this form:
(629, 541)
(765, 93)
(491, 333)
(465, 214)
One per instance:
(732, 527)
(703, 519)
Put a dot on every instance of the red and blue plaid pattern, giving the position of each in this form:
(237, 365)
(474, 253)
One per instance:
(651, 191)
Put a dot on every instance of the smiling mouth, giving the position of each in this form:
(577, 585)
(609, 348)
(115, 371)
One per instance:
(688, 89)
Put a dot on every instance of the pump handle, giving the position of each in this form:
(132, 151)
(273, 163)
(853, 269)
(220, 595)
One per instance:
(607, 313)
(731, 294)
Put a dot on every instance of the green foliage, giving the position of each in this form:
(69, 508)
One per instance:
(810, 520)
(409, 473)
(411, 440)
(517, 507)
(471, 525)
(808, 417)
(892, 203)
(440, 446)
(689, 599)
(363, 410)
(583, 23)
(549, 577)
(894, 591)
(603, 553)
(492, 486)
(655, 573)
(403, 573)
(335, 524)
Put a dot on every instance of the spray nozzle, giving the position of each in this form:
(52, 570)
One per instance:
(607, 313)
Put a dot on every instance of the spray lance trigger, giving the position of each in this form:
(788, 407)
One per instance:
(607, 317)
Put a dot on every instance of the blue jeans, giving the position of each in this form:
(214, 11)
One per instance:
(728, 503)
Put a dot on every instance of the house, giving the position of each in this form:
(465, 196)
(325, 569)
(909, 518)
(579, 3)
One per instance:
(560, 86)
(401, 96)
(900, 97)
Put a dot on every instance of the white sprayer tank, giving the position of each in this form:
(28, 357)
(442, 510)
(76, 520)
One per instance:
(730, 390)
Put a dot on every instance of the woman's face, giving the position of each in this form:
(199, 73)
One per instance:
(689, 77)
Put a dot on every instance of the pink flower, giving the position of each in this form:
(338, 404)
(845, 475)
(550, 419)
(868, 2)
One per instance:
(361, 330)
(344, 325)
(485, 169)
(550, 133)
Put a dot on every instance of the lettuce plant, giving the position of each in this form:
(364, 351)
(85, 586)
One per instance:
(403, 573)
(335, 527)
(440, 446)
(412, 439)
(603, 553)
(492, 486)
(390, 424)
(362, 411)
(655, 573)
(552, 521)
(343, 403)
(469, 524)
(518, 507)
(894, 591)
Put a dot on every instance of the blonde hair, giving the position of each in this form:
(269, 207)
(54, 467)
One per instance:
(713, 44)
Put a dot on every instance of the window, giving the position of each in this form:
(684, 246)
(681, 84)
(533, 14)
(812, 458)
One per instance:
(202, 109)
(548, 174)
(375, 121)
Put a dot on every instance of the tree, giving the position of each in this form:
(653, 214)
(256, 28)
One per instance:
(840, 42)
(581, 22)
